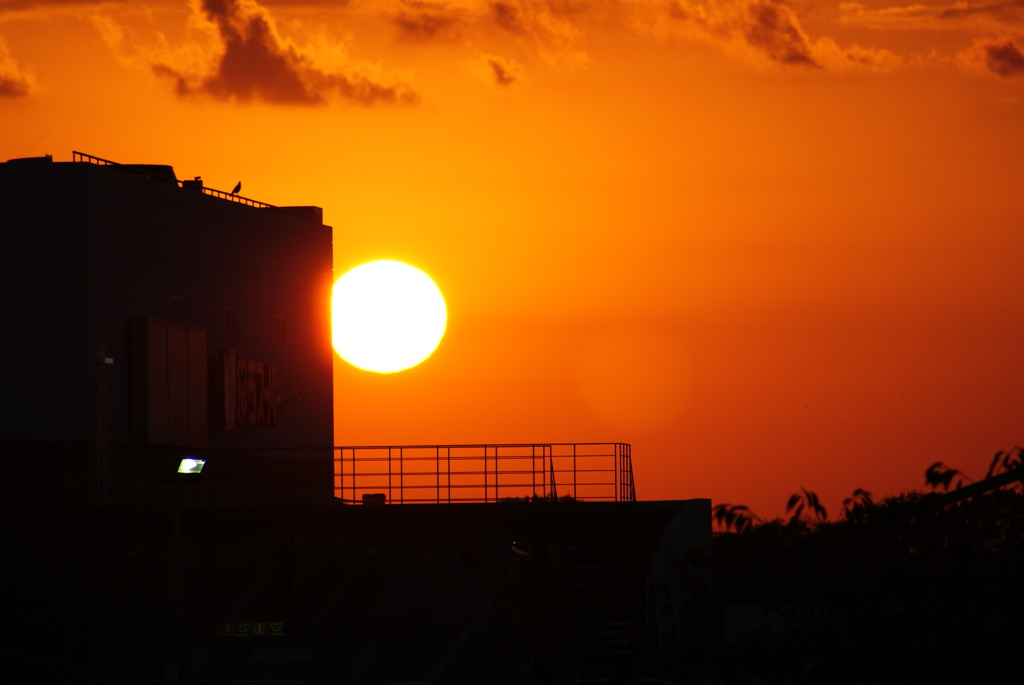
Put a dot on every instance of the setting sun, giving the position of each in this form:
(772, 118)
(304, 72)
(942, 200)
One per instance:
(388, 316)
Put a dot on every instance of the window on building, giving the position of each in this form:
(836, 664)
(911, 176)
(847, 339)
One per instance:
(231, 319)
(177, 308)
(279, 329)
(170, 383)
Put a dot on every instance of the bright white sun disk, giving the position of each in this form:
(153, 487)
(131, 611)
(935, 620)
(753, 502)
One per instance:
(388, 316)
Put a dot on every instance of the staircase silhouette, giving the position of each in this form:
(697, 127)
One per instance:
(603, 608)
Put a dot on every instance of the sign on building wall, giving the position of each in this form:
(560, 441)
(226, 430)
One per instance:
(250, 391)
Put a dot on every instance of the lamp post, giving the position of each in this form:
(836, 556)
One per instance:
(187, 467)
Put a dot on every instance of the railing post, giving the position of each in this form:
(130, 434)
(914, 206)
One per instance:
(575, 469)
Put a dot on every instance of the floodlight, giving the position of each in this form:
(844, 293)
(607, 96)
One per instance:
(191, 465)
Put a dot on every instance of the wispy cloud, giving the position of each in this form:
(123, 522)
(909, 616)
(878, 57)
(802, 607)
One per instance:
(763, 32)
(523, 29)
(504, 36)
(996, 28)
(501, 72)
(15, 81)
(281, 51)
(758, 32)
(961, 16)
(424, 20)
(35, 6)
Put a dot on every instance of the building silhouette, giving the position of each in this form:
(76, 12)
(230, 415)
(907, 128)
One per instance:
(152, 319)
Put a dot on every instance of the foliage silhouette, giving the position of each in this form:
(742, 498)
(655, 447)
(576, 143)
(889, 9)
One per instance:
(806, 501)
(733, 518)
(539, 498)
(914, 587)
(938, 474)
(1006, 462)
(857, 506)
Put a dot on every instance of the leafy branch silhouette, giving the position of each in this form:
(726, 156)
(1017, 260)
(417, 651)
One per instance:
(807, 502)
(733, 518)
(857, 506)
(939, 475)
(1004, 462)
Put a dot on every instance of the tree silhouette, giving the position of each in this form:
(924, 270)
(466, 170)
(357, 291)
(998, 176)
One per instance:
(917, 586)
(1004, 462)
(939, 475)
(733, 518)
(857, 506)
(805, 501)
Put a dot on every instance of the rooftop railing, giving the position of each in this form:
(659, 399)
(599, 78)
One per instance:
(484, 473)
(149, 171)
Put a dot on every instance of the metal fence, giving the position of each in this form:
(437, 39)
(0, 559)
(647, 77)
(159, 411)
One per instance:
(484, 473)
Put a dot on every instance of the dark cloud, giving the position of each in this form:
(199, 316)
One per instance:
(257, 65)
(770, 27)
(14, 81)
(508, 16)
(421, 20)
(13, 86)
(1005, 58)
(774, 30)
(254, 63)
(504, 73)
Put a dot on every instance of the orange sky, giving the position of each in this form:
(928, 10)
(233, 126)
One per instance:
(771, 245)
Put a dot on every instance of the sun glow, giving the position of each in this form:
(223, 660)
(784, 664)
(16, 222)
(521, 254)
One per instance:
(387, 316)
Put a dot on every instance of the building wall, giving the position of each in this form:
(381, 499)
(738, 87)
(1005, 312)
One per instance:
(92, 249)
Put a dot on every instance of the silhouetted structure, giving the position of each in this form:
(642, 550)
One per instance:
(154, 319)
(149, 321)
(420, 474)
(146, 322)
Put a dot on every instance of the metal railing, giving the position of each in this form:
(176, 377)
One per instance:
(192, 185)
(484, 473)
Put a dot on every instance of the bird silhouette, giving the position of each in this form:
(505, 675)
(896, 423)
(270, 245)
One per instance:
(238, 187)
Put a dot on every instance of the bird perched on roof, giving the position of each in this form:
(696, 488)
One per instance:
(238, 187)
